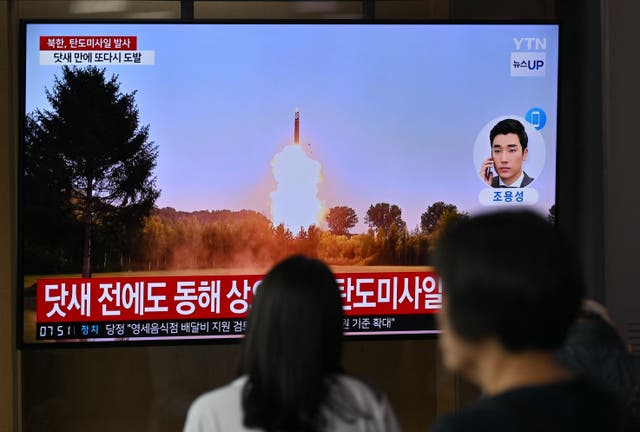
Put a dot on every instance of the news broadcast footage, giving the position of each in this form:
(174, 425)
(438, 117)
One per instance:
(166, 167)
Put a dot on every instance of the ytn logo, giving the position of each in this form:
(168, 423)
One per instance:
(530, 64)
(530, 44)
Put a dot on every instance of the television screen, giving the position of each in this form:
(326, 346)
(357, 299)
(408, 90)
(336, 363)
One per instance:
(165, 167)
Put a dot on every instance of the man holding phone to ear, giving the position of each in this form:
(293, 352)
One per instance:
(508, 140)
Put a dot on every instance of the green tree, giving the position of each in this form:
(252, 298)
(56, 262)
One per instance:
(49, 223)
(448, 217)
(341, 219)
(302, 234)
(430, 220)
(418, 247)
(382, 216)
(156, 234)
(282, 233)
(93, 129)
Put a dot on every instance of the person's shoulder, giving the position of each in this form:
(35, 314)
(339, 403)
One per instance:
(583, 391)
(221, 394)
(360, 387)
(547, 407)
(213, 407)
(354, 399)
(526, 180)
(557, 403)
(599, 408)
(592, 395)
(575, 393)
(480, 417)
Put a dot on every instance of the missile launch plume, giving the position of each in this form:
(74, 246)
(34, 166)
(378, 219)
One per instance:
(295, 202)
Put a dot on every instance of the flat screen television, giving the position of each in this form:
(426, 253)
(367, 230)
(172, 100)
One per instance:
(166, 166)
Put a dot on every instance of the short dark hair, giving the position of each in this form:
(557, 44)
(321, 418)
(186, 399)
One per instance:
(526, 294)
(293, 346)
(508, 126)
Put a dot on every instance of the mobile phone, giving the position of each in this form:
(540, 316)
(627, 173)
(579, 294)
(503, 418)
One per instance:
(487, 173)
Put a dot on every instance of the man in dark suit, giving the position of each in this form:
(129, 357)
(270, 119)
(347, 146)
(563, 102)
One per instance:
(508, 140)
(496, 183)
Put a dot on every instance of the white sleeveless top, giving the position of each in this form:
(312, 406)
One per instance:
(220, 410)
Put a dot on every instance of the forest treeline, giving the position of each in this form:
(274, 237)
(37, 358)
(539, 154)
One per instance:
(208, 239)
(170, 239)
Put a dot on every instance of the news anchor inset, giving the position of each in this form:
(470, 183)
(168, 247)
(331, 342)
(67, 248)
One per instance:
(508, 142)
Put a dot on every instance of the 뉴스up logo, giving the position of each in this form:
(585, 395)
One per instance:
(528, 64)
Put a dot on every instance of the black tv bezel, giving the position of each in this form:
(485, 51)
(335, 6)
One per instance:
(23, 23)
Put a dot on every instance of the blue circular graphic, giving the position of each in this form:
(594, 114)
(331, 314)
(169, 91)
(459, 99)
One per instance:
(537, 117)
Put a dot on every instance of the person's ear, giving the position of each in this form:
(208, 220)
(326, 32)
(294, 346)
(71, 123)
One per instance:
(525, 153)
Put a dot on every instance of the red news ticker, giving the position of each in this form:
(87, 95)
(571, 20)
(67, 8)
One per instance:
(216, 297)
(88, 43)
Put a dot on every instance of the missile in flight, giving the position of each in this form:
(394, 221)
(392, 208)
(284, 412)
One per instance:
(296, 129)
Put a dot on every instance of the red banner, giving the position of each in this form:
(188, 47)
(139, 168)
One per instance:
(88, 43)
(199, 297)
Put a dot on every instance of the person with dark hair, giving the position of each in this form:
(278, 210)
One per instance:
(506, 310)
(293, 380)
(594, 349)
(509, 149)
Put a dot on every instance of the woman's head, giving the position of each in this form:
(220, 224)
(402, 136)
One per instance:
(293, 344)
